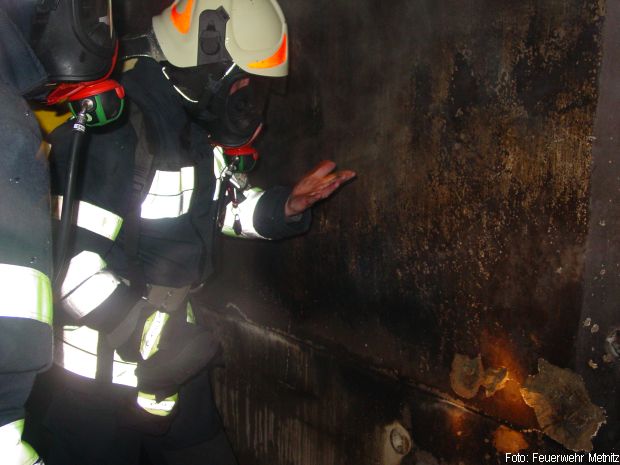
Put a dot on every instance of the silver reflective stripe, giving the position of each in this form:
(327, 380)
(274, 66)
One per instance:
(124, 372)
(150, 404)
(79, 355)
(245, 210)
(79, 351)
(170, 194)
(13, 450)
(87, 285)
(219, 166)
(92, 218)
(92, 293)
(81, 267)
(26, 293)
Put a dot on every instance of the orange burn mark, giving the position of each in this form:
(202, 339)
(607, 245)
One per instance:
(274, 60)
(457, 422)
(182, 21)
(498, 351)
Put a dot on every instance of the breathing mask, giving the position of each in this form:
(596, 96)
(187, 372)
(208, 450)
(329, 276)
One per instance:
(229, 103)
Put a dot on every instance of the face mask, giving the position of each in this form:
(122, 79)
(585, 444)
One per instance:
(229, 103)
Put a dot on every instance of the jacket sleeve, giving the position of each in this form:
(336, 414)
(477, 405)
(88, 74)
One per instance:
(261, 214)
(269, 219)
(91, 293)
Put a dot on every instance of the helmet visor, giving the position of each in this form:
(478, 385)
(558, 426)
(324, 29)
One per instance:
(93, 23)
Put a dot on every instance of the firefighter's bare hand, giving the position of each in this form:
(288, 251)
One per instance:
(317, 184)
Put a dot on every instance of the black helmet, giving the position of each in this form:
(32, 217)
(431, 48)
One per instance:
(74, 39)
(62, 51)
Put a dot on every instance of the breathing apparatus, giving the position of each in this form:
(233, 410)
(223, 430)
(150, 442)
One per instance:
(92, 104)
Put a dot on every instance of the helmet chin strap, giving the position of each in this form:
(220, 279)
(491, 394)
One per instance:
(210, 90)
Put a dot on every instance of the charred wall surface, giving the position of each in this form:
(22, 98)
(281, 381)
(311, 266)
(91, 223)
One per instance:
(459, 250)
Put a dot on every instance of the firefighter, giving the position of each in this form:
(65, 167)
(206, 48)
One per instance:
(28, 70)
(155, 189)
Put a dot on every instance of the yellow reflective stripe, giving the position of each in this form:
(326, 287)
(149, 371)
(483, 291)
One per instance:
(79, 356)
(190, 316)
(150, 404)
(245, 210)
(151, 334)
(93, 218)
(15, 451)
(170, 194)
(27, 293)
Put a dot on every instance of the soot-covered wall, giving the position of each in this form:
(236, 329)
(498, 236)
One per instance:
(443, 288)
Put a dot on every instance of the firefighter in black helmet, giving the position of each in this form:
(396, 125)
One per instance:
(42, 44)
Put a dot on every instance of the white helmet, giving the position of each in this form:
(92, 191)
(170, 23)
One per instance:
(251, 33)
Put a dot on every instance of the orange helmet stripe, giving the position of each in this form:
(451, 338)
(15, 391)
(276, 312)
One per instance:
(182, 21)
(274, 60)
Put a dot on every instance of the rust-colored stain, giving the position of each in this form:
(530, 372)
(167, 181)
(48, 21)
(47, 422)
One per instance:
(563, 407)
(500, 350)
(506, 440)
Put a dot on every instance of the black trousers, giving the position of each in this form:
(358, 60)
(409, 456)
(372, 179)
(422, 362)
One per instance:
(25, 349)
(87, 423)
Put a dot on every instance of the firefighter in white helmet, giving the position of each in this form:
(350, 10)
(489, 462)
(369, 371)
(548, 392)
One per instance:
(157, 186)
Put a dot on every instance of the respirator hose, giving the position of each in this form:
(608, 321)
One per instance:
(66, 218)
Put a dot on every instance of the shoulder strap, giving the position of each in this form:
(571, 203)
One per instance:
(142, 178)
(143, 158)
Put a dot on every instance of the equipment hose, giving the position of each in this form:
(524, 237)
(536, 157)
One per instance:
(66, 219)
